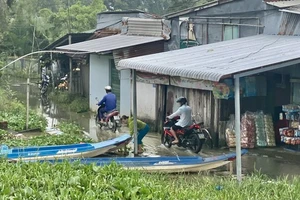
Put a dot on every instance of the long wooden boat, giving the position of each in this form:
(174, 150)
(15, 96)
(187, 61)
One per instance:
(162, 164)
(85, 150)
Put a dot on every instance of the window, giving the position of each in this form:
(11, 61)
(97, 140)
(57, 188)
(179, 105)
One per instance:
(230, 32)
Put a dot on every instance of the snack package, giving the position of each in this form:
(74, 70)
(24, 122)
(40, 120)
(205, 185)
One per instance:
(261, 139)
(230, 133)
(269, 128)
(248, 130)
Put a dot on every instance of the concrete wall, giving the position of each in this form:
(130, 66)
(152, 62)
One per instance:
(146, 101)
(99, 78)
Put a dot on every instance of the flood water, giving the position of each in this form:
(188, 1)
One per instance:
(273, 162)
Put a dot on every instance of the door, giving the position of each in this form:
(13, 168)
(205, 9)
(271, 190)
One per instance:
(115, 81)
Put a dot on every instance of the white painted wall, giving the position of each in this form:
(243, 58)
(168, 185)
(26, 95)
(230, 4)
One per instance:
(146, 101)
(125, 90)
(99, 78)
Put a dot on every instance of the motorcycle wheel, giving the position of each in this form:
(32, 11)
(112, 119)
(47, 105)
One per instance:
(115, 126)
(43, 90)
(97, 121)
(195, 143)
(208, 139)
(166, 140)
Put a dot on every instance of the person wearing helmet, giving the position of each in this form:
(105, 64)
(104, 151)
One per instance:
(185, 113)
(110, 101)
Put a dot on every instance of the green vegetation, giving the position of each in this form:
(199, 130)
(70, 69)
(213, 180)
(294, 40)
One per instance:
(14, 112)
(75, 102)
(77, 181)
(72, 134)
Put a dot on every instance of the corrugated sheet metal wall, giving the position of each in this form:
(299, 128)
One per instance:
(201, 101)
(145, 27)
(289, 22)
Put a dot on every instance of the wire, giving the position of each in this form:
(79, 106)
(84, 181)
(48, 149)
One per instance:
(38, 52)
(252, 53)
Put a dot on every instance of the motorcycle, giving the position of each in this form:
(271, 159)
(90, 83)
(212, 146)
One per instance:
(44, 84)
(112, 119)
(63, 83)
(192, 137)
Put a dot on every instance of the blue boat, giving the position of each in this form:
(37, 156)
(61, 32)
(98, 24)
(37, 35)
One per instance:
(85, 150)
(161, 164)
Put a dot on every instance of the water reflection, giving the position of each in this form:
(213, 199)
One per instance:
(271, 166)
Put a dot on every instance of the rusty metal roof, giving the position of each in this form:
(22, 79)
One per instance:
(109, 43)
(283, 3)
(219, 60)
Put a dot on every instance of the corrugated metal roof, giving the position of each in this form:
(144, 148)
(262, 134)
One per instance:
(283, 3)
(109, 43)
(219, 60)
(76, 37)
(293, 9)
(197, 8)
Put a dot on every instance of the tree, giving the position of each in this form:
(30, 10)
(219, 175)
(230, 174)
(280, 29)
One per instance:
(33, 24)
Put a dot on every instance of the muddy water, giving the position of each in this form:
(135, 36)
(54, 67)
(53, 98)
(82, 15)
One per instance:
(275, 162)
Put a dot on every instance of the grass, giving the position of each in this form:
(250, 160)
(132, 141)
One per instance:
(77, 181)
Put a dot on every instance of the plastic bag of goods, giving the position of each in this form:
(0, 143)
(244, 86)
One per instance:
(261, 139)
(269, 128)
(248, 130)
(230, 133)
(281, 130)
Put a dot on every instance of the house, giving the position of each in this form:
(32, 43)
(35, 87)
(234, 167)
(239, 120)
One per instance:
(222, 20)
(216, 27)
(108, 23)
(139, 36)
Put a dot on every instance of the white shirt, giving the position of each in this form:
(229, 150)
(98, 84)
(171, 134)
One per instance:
(185, 113)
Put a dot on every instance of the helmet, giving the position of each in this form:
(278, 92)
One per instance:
(181, 100)
(107, 87)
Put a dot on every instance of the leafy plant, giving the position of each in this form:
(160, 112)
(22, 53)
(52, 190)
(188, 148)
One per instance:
(80, 104)
(14, 112)
(77, 181)
(76, 103)
(43, 140)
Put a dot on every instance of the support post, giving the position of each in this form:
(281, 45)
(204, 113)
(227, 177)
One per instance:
(238, 128)
(134, 111)
(27, 101)
(70, 68)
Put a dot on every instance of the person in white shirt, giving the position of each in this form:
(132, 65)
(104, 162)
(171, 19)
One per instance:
(185, 113)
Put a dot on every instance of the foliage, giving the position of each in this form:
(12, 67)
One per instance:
(72, 134)
(31, 25)
(70, 128)
(76, 103)
(43, 140)
(77, 181)
(14, 112)
(80, 104)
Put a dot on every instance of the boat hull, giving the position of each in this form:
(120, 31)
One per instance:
(161, 164)
(65, 151)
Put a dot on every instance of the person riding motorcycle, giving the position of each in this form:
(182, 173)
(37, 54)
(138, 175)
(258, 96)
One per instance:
(185, 113)
(110, 101)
